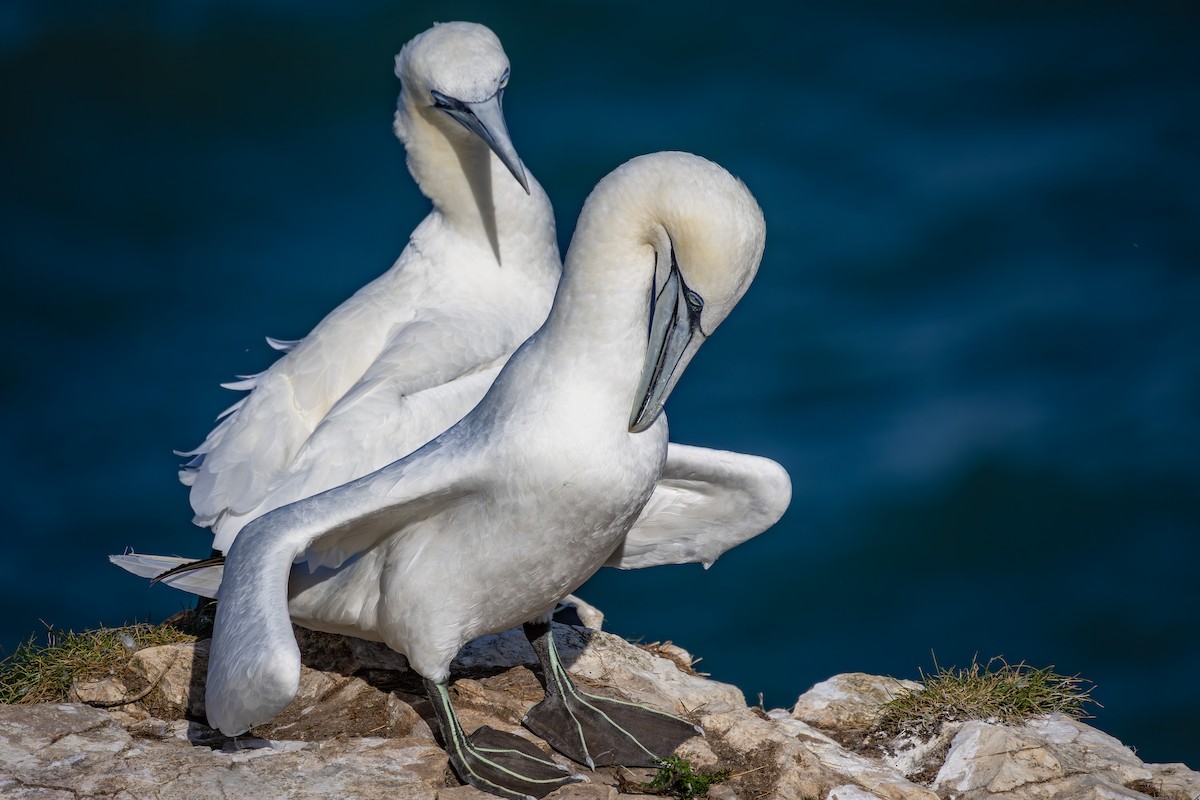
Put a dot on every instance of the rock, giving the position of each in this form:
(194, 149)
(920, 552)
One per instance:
(1044, 759)
(643, 677)
(588, 615)
(849, 702)
(176, 673)
(1173, 781)
(75, 751)
(346, 654)
(107, 692)
(361, 727)
(850, 792)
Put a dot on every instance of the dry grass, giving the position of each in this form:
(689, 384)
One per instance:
(671, 652)
(39, 672)
(995, 692)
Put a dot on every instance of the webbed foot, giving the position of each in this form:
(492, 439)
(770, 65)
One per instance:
(593, 730)
(500, 763)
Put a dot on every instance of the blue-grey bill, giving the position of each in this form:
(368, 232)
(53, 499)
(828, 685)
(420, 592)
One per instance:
(486, 120)
(675, 336)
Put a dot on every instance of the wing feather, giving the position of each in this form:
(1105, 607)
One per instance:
(254, 664)
(706, 502)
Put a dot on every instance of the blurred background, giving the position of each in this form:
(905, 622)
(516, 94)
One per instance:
(974, 341)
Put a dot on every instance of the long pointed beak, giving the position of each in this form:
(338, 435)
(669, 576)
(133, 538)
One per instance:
(675, 336)
(485, 119)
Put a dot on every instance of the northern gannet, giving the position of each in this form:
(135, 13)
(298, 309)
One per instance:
(496, 519)
(410, 353)
(414, 350)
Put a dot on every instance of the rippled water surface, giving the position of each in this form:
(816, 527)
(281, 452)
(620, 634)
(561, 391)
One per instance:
(974, 341)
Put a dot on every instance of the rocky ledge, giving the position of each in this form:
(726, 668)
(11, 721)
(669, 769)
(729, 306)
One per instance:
(359, 728)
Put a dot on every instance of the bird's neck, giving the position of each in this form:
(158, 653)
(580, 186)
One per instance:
(471, 188)
(588, 356)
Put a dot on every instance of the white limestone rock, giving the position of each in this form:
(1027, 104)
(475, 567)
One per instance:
(73, 751)
(359, 727)
(1045, 759)
(849, 791)
(850, 701)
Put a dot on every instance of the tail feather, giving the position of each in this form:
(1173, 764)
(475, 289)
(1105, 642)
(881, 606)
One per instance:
(195, 576)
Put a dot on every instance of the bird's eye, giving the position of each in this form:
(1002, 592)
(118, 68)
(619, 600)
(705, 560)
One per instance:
(440, 100)
(694, 301)
(504, 79)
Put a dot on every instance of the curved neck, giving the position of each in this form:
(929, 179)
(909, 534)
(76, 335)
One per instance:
(588, 355)
(468, 184)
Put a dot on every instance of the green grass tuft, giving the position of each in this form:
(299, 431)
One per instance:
(43, 673)
(996, 692)
(676, 779)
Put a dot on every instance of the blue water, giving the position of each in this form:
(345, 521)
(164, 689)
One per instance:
(974, 340)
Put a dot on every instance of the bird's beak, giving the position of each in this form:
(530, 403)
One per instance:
(675, 336)
(485, 119)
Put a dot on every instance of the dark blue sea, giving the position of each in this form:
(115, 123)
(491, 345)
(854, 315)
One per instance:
(974, 340)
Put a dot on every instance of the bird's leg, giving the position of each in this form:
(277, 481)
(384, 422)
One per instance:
(594, 730)
(500, 763)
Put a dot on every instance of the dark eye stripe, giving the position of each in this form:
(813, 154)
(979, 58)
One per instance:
(445, 101)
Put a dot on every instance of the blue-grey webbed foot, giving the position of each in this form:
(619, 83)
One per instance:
(493, 761)
(593, 730)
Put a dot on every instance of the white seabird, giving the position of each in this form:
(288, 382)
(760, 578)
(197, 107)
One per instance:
(492, 522)
(413, 351)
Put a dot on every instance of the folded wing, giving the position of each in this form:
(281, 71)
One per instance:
(706, 502)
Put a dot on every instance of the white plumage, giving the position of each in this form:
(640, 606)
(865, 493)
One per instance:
(519, 503)
(706, 502)
(411, 352)
(414, 350)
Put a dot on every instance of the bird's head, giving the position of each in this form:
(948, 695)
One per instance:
(454, 75)
(704, 233)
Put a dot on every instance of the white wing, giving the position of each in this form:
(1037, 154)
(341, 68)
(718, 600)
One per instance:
(404, 358)
(432, 372)
(706, 502)
(204, 581)
(254, 664)
(258, 437)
